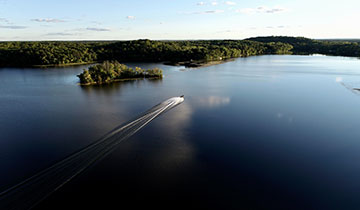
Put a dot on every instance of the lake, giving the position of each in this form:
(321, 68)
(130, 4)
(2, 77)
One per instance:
(264, 132)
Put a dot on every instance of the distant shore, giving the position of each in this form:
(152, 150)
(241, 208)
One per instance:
(63, 65)
(198, 63)
(191, 54)
(187, 64)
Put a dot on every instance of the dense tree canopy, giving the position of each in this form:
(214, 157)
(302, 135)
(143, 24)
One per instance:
(45, 53)
(108, 72)
(76, 52)
(62, 53)
(147, 50)
(310, 46)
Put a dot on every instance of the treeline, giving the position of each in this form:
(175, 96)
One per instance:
(341, 40)
(46, 53)
(108, 72)
(303, 45)
(62, 53)
(76, 52)
(175, 51)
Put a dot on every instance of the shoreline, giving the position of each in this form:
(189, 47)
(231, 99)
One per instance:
(198, 63)
(119, 80)
(62, 65)
(186, 64)
(49, 65)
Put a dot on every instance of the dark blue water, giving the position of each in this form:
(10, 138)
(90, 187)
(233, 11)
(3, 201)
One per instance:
(266, 132)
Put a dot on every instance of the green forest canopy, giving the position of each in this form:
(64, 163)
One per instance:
(111, 71)
(79, 52)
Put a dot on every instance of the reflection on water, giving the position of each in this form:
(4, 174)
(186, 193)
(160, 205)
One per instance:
(212, 101)
(266, 132)
(30, 192)
(107, 88)
(116, 87)
(178, 150)
(354, 87)
(282, 116)
(175, 130)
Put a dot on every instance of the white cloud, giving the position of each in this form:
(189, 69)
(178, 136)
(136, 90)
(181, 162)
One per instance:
(230, 3)
(225, 31)
(272, 10)
(96, 22)
(213, 11)
(278, 27)
(262, 9)
(246, 11)
(214, 3)
(204, 12)
(201, 3)
(48, 20)
(13, 27)
(130, 17)
(4, 20)
(338, 79)
(97, 29)
(59, 34)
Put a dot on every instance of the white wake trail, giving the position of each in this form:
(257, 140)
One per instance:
(33, 190)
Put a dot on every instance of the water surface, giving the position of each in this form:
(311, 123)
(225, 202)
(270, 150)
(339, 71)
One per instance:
(265, 132)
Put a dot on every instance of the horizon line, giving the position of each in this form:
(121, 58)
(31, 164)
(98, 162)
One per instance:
(114, 40)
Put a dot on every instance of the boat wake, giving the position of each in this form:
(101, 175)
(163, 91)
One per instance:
(33, 190)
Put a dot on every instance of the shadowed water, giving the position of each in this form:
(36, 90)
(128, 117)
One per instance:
(265, 132)
(33, 190)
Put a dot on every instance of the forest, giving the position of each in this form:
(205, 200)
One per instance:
(52, 53)
(307, 46)
(112, 71)
(46, 53)
(63, 53)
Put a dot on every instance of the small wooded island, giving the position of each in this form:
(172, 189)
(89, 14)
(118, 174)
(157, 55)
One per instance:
(113, 71)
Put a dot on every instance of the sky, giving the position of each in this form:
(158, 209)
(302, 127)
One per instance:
(176, 19)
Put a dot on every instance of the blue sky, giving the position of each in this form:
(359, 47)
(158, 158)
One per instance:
(176, 19)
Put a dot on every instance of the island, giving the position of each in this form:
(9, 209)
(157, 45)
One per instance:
(113, 71)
